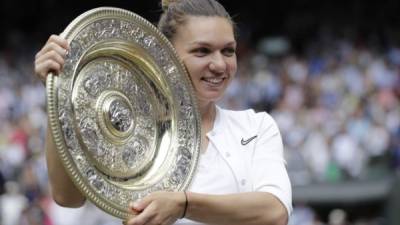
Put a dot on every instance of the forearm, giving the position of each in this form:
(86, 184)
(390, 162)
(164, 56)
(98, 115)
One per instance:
(253, 208)
(63, 189)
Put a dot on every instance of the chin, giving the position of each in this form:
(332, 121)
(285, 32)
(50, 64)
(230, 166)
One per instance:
(210, 97)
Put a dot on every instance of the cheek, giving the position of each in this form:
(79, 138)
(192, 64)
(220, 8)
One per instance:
(195, 68)
(191, 71)
(232, 66)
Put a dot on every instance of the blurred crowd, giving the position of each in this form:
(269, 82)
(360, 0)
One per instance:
(336, 104)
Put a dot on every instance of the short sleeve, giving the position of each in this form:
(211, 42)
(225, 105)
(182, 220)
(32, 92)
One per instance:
(268, 166)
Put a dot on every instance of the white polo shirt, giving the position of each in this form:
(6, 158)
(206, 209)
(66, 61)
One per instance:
(244, 154)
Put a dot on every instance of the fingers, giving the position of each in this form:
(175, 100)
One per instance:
(51, 57)
(59, 41)
(157, 208)
(46, 67)
(50, 50)
(144, 217)
(141, 204)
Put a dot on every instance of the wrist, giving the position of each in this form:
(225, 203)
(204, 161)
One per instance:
(185, 205)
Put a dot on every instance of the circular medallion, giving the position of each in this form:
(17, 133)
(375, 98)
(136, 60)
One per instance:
(122, 112)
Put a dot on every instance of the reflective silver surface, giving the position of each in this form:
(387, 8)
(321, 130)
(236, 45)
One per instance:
(122, 112)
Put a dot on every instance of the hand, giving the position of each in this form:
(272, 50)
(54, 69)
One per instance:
(158, 208)
(51, 57)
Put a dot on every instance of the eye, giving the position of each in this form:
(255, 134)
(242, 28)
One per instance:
(230, 51)
(202, 51)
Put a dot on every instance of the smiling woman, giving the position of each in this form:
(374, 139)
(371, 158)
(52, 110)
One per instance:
(207, 47)
(242, 160)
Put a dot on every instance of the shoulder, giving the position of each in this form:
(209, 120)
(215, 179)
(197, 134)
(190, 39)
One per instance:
(247, 117)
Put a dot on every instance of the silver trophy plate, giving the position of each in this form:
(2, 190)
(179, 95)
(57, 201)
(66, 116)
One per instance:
(123, 113)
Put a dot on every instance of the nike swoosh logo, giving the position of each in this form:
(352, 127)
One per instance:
(245, 142)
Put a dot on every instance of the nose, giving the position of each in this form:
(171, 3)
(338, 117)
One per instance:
(218, 64)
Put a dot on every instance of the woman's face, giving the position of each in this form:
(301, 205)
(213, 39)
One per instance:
(207, 47)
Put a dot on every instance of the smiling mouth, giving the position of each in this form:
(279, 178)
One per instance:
(214, 80)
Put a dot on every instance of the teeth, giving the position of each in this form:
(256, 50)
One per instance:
(214, 80)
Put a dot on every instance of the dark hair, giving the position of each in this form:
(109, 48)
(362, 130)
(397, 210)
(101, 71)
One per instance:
(176, 11)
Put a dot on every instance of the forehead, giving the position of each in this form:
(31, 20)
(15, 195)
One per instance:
(209, 29)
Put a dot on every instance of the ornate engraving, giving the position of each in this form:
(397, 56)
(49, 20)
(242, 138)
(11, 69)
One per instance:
(150, 42)
(134, 152)
(120, 115)
(123, 114)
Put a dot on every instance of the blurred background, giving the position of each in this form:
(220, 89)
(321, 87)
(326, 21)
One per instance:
(327, 71)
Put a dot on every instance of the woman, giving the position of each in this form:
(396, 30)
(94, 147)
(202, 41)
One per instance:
(241, 177)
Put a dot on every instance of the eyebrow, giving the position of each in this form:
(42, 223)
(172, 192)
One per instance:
(204, 43)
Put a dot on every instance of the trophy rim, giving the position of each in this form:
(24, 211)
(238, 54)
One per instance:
(51, 88)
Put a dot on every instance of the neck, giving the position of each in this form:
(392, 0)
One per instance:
(207, 111)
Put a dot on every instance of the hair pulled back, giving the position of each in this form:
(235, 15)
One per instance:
(176, 12)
